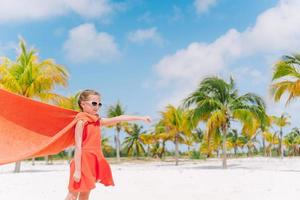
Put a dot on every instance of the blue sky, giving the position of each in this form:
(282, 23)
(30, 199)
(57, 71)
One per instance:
(150, 53)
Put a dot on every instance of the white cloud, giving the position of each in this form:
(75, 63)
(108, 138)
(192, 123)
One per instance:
(254, 76)
(15, 10)
(203, 6)
(86, 44)
(275, 29)
(144, 35)
(198, 60)
(7, 47)
(275, 32)
(90, 8)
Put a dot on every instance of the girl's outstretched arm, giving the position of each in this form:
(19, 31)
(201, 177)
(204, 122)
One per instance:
(77, 155)
(124, 118)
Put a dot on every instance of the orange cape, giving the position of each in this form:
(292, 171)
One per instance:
(30, 128)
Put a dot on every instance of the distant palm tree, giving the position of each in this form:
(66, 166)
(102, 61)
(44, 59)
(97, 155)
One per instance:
(105, 144)
(114, 111)
(233, 140)
(272, 140)
(281, 122)
(218, 103)
(197, 135)
(133, 142)
(250, 143)
(158, 149)
(177, 127)
(196, 138)
(32, 78)
(148, 139)
(292, 141)
(286, 78)
(264, 126)
(211, 143)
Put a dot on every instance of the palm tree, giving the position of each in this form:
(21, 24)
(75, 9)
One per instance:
(218, 103)
(197, 135)
(292, 141)
(106, 147)
(114, 111)
(250, 143)
(264, 126)
(177, 127)
(211, 143)
(233, 139)
(196, 138)
(148, 139)
(133, 142)
(32, 78)
(160, 138)
(286, 78)
(70, 102)
(281, 122)
(272, 140)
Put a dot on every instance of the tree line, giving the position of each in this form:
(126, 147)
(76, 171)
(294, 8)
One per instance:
(214, 120)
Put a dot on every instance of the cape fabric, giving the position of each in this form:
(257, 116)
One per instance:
(29, 128)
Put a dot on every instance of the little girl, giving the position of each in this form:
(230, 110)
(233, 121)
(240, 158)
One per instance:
(89, 165)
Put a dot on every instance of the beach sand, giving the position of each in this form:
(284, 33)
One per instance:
(246, 178)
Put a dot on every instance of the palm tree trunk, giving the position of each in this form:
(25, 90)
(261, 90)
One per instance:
(137, 151)
(249, 153)
(235, 151)
(224, 163)
(148, 151)
(176, 150)
(270, 150)
(47, 160)
(208, 149)
(264, 147)
(17, 167)
(70, 150)
(117, 142)
(281, 144)
(163, 153)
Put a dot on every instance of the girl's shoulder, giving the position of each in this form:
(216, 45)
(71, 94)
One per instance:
(86, 117)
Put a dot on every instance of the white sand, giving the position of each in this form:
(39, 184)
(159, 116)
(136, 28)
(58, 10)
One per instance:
(249, 178)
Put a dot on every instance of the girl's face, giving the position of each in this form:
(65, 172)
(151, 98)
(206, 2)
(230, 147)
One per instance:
(92, 105)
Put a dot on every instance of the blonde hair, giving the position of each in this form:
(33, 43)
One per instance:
(84, 96)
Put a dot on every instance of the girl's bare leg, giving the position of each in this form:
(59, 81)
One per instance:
(72, 196)
(84, 195)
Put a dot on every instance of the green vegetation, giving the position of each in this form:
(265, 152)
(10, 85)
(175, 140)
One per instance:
(213, 120)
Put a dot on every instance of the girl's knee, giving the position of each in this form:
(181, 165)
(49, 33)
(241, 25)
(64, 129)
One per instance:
(84, 195)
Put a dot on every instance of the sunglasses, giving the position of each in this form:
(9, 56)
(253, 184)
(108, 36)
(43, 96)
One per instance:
(94, 103)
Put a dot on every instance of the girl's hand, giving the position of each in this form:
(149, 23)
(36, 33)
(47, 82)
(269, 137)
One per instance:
(147, 119)
(77, 176)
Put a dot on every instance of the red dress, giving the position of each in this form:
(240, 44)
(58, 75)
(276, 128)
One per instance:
(94, 167)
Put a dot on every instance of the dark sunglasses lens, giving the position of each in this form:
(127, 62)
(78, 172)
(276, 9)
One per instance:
(95, 104)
